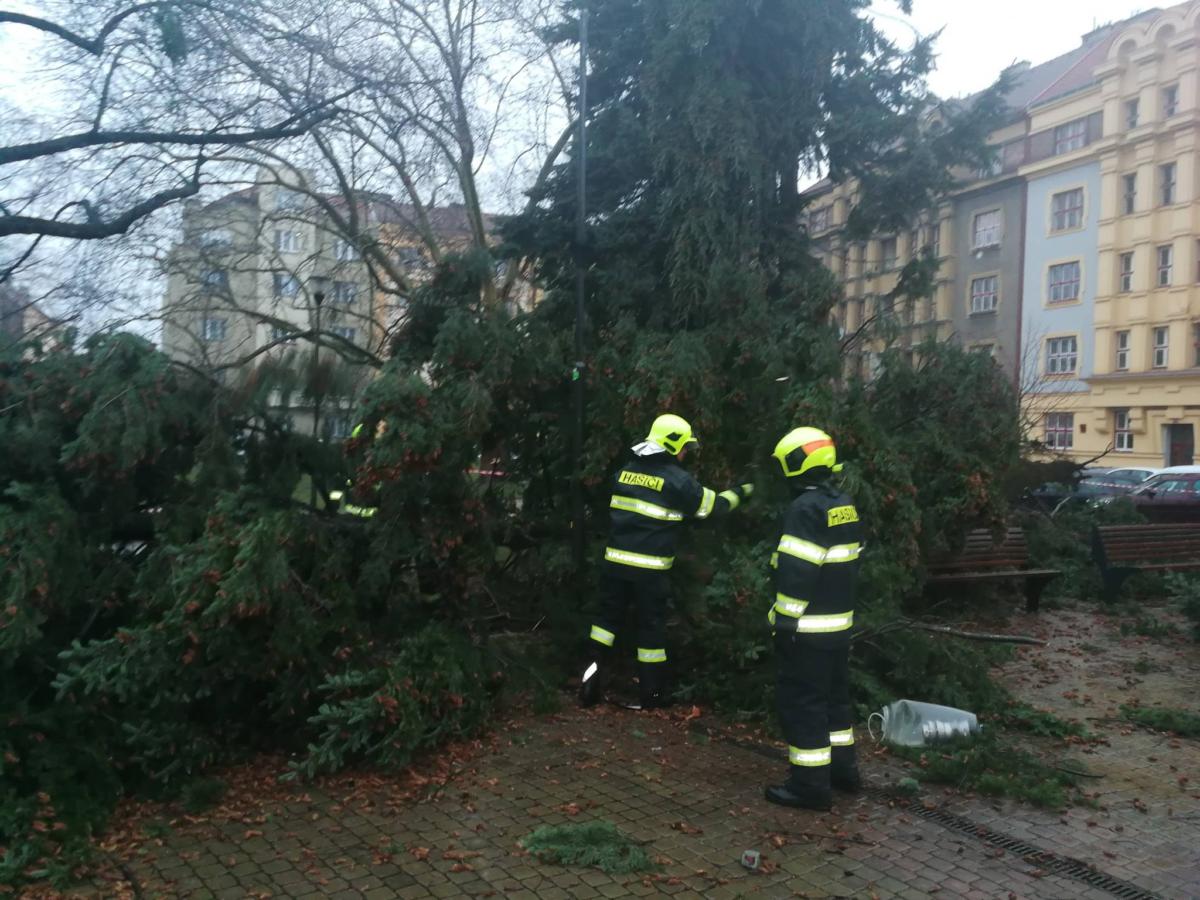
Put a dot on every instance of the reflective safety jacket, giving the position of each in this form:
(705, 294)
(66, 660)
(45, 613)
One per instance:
(816, 566)
(652, 496)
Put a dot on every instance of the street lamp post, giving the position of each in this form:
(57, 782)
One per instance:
(319, 284)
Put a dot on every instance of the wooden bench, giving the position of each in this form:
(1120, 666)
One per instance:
(982, 560)
(1121, 551)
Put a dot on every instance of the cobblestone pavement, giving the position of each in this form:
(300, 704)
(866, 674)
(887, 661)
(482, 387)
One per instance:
(696, 801)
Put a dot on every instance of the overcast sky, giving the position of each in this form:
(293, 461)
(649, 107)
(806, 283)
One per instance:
(981, 38)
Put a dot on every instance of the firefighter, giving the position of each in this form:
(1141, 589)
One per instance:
(652, 496)
(816, 566)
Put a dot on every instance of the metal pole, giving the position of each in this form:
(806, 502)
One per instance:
(319, 298)
(577, 373)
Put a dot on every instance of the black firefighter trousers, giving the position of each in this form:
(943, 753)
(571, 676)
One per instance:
(813, 696)
(649, 597)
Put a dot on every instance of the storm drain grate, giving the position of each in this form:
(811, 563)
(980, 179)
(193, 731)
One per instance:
(1051, 863)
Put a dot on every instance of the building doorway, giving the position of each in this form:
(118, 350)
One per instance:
(1180, 445)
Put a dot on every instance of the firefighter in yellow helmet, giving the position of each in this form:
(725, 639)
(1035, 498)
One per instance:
(816, 567)
(652, 497)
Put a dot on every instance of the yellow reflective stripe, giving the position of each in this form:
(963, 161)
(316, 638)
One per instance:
(816, 554)
(840, 553)
(638, 560)
(775, 560)
(771, 617)
(335, 495)
(790, 606)
(802, 549)
(602, 636)
(842, 738)
(651, 656)
(707, 502)
(732, 498)
(653, 510)
(821, 757)
(365, 511)
(825, 624)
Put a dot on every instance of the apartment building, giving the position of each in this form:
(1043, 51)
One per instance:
(21, 319)
(253, 264)
(1074, 261)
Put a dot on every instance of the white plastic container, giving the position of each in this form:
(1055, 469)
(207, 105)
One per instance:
(911, 723)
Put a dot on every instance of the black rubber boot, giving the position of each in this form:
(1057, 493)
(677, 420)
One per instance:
(846, 779)
(801, 797)
(843, 773)
(591, 690)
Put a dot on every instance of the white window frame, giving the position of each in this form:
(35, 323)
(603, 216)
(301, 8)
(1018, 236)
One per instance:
(1070, 136)
(1161, 346)
(283, 336)
(344, 292)
(887, 261)
(344, 251)
(1062, 355)
(985, 294)
(1129, 193)
(1132, 111)
(1122, 431)
(1168, 184)
(820, 219)
(1064, 217)
(1059, 431)
(1056, 289)
(1165, 258)
(285, 284)
(1122, 344)
(1170, 101)
(214, 329)
(935, 238)
(1125, 272)
(991, 234)
(288, 240)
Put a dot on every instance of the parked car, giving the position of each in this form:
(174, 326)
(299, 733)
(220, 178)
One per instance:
(1173, 495)
(1119, 481)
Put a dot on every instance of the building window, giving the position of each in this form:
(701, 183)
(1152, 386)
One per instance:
(820, 219)
(1166, 262)
(988, 350)
(1162, 346)
(1170, 98)
(1060, 431)
(1129, 193)
(216, 238)
(285, 284)
(286, 199)
(1064, 282)
(337, 426)
(282, 335)
(1131, 114)
(216, 280)
(344, 331)
(213, 329)
(986, 230)
(935, 239)
(1122, 361)
(1196, 344)
(344, 292)
(1122, 431)
(1071, 136)
(345, 251)
(1125, 273)
(1166, 181)
(985, 294)
(888, 253)
(914, 242)
(1066, 210)
(1061, 356)
(288, 241)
